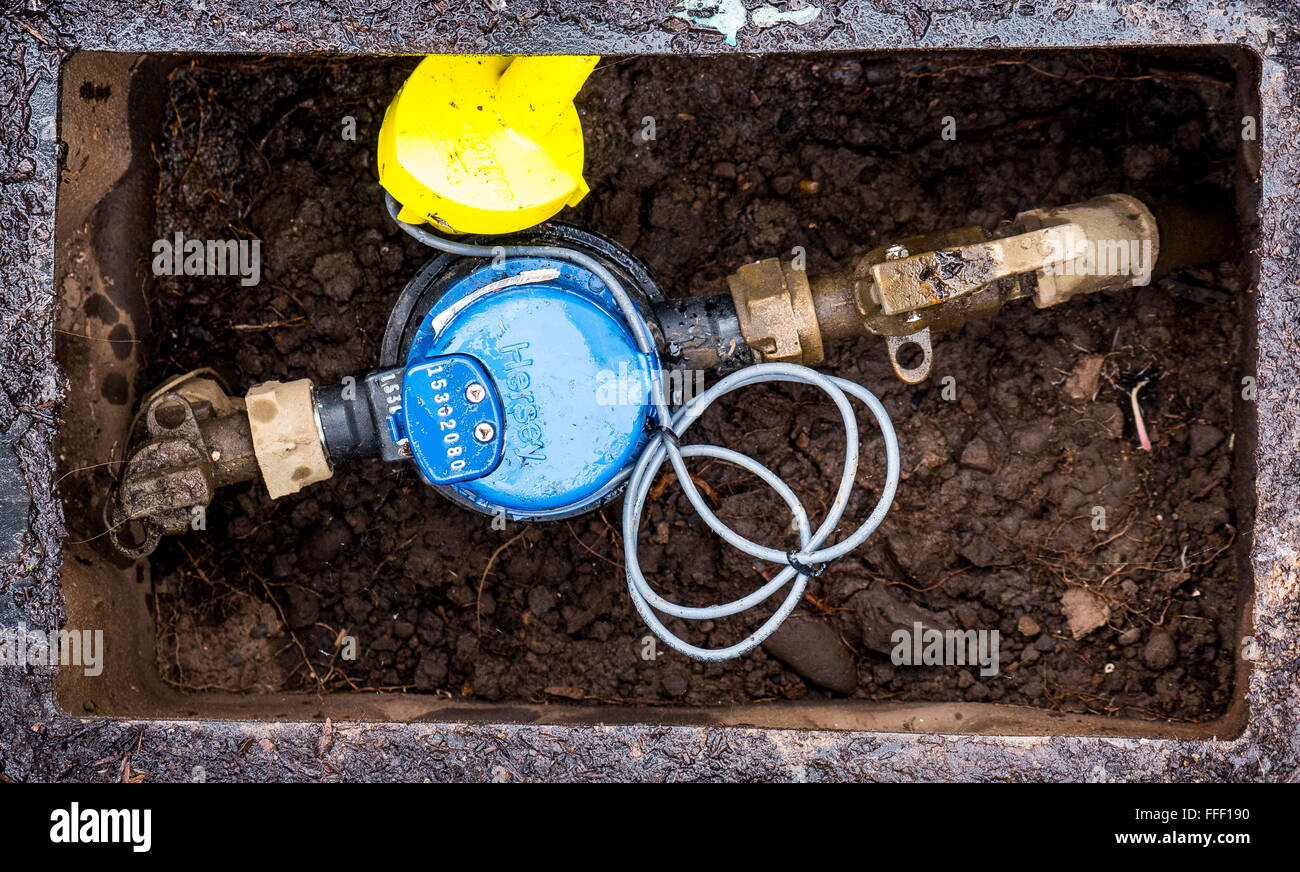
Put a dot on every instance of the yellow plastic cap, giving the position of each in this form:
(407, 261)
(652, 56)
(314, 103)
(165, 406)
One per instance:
(485, 144)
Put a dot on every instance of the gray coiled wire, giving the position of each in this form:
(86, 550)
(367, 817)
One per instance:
(663, 446)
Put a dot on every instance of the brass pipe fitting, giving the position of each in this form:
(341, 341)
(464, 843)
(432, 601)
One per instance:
(778, 318)
(194, 438)
(939, 281)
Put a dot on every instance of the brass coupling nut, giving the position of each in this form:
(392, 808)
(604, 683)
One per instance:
(774, 304)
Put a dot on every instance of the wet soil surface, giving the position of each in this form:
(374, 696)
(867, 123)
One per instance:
(1027, 505)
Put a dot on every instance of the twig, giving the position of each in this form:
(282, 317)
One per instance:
(273, 325)
(478, 600)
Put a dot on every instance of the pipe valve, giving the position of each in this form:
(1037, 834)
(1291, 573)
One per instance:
(938, 281)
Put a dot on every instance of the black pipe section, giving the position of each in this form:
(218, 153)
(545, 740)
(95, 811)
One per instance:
(346, 422)
(1198, 229)
(702, 333)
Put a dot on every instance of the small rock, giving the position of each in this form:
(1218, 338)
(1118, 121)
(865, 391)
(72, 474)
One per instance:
(724, 169)
(978, 456)
(1084, 611)
(881, 611)
(1202, 439)
(1030, 654)
(1082, 383)
(1129, 636)
(1160, 652)
(812, 649)
(675, 684)
(1045, 643)
(1028, 626)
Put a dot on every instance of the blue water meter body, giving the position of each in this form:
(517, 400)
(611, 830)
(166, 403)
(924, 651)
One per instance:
(524, 391)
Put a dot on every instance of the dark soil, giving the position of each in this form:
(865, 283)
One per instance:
(994, 521)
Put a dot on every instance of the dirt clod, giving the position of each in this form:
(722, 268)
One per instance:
(811, 648)
(1082, 383)
(1084, 611)
(881, 612)
(1202, 439)
(977, 455)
